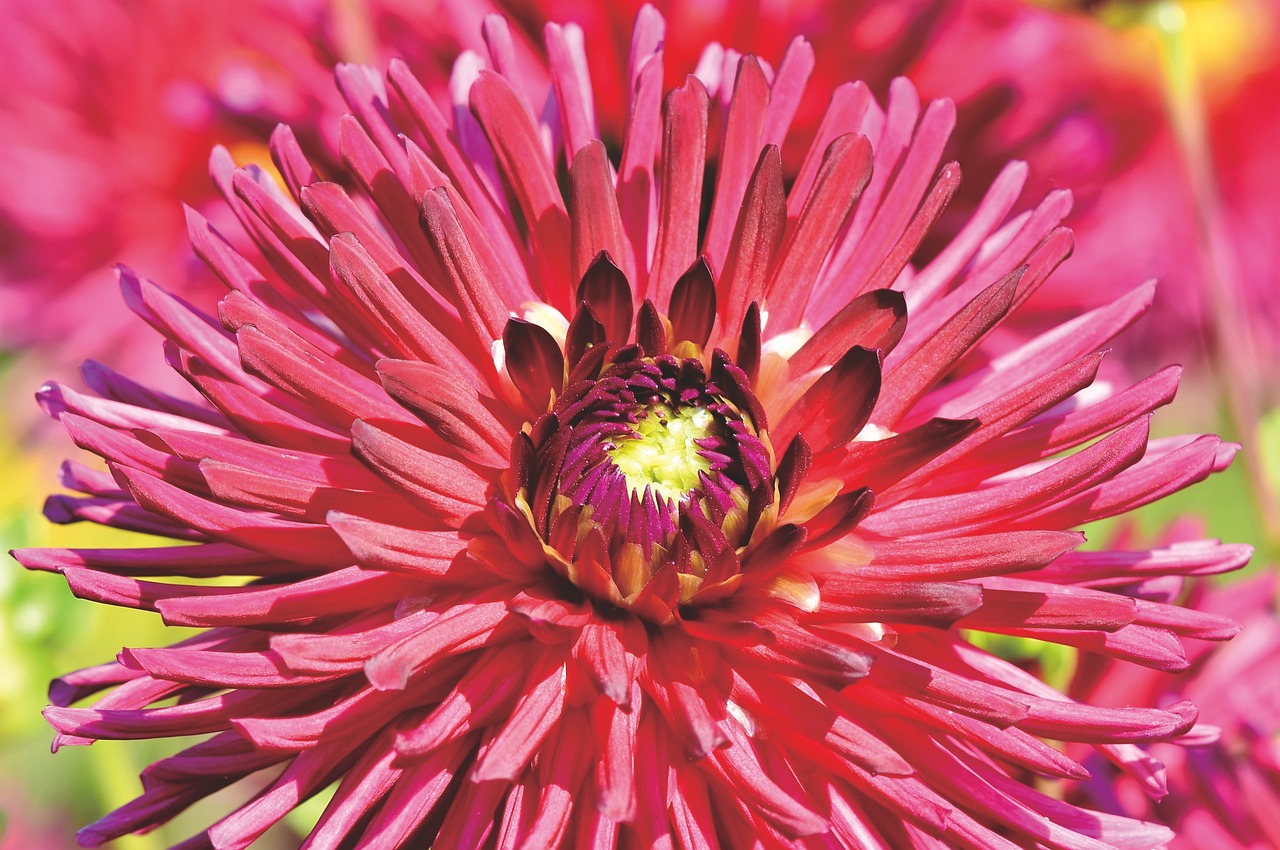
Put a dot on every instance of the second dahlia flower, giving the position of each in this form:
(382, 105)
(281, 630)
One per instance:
(1224, 785)
(568, 518)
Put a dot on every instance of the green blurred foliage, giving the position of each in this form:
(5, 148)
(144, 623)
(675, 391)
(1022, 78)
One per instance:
(45, 632)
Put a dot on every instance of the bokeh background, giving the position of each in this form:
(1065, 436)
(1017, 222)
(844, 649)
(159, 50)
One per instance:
(1162, 119)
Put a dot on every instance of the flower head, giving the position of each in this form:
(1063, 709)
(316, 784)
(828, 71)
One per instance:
(1221, 780)
(570, 518)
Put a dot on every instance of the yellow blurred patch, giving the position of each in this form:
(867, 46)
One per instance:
(256, 153)
(1228, 39)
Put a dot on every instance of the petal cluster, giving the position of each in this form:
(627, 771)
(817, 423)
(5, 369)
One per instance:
(1222, 778)
(403, 444)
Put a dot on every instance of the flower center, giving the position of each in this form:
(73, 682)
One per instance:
(667, 450)
(651, 441)
(645, 482)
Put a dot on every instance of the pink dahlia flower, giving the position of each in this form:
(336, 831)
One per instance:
(1224, 780)
(569, 518)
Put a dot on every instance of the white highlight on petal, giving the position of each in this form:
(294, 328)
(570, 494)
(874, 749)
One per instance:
(1096, 393)
(711, 67)
(873, 433)
(466, 70)
(499, 352)
(739, 714)
(788, 343)
(546, 317)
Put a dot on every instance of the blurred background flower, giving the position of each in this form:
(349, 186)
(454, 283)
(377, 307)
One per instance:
(1223, 780)
(1161, 118)
(107, 119)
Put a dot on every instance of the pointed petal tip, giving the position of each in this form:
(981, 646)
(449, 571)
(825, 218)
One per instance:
(51, 399)
(57, 511)
(91, 837)
(1225, 454)
(221, 162)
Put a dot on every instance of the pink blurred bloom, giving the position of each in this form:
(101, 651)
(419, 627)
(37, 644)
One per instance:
(1087, 106)
(105, 121)
(25, 823)
(572, 520)
(107, 116)
(1223, 779)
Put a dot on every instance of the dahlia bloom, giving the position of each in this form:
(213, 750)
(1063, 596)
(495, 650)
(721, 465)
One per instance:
(569, 518)
(1224, 785)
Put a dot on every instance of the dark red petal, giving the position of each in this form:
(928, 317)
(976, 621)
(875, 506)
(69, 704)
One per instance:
(838, 518)
(389, 547)
(329, 390)
(289, 159)
(1065, 720)
(1006, 502)
(1013, 602)
(610, 652)
(453, 410)
(388, 309)
(513, 135)
(441, 486)
(199, 561)
(391, 668)
(294, 541)
(693, 304)
(967, 556)
(470, 287)
(345, 591)
(739, 152)
(878, 464)
(838, 405)
(534, 363)
(847, 597)
(756, 238)
(844, 173)
(651, 334)
(605, 288)
(684, 158)
(585, 332)
(529, 723)
(791, 470)
(749, 343)
(615, 735)
(912, 377)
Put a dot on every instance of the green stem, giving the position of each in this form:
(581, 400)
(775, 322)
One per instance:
(1234, 350)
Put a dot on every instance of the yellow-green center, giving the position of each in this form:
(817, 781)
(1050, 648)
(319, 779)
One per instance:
(663, 454)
